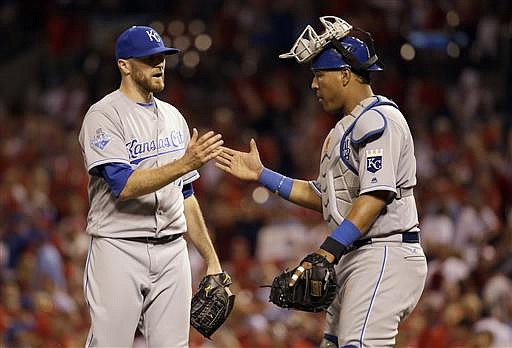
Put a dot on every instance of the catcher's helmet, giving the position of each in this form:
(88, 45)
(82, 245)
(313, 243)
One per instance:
(339, 46)
(349, 52)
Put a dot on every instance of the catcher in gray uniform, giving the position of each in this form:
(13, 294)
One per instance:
(142, 162)
(364, 190)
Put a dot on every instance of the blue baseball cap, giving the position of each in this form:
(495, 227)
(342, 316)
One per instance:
(357, 55)
(140, 41)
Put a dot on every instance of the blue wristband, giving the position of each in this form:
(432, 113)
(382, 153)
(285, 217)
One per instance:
(346, 233)
(275, 182)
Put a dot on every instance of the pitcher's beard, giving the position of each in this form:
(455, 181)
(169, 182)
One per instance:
(148, 84)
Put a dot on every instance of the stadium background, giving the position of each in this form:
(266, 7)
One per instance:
(448, 66)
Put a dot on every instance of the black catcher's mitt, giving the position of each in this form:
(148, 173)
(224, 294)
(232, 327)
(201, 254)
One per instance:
(211, 304)
(313, 291)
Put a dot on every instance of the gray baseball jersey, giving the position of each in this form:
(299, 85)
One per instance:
(129, 283)
(380, 283)
(116, 129)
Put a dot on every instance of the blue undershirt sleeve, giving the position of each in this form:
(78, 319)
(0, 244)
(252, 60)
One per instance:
(116, 175)
(188, 190)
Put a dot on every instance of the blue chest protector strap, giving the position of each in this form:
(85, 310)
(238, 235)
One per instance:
(366, 127)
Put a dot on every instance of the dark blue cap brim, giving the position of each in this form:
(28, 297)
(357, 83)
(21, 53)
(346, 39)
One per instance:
(157, 50)
(375, 67)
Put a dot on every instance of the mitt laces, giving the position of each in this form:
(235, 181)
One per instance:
(310, 43)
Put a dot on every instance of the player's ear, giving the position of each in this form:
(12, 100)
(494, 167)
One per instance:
(345, 76)
(123, 66)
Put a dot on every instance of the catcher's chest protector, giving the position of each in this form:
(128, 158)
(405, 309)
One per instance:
(339, 186)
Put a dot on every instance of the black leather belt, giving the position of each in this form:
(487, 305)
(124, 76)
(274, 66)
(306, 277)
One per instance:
(154, 240)
(407, 237)
(402, 192)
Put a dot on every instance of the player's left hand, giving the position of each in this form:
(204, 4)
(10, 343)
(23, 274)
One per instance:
(311, 288)
(212, 303)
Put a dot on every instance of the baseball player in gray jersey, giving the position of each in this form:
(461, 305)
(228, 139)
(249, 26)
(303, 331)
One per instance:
(142, 162)
(364, 190)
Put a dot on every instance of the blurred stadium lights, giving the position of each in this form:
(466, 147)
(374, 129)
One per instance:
(203, 42)
(435, 41)
(260, 195)
(453, 50)
(196, 27)
(224, 115)
(191, 59)
(428, 40)
(182, 42)
(452, 18)
(407, 52)
(167, 40)
(176, 28)
(158, 26)
(190, 38)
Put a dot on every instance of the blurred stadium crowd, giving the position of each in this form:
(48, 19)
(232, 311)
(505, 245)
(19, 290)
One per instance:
(448, 66)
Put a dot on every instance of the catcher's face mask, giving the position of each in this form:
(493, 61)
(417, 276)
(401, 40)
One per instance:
(336, 48)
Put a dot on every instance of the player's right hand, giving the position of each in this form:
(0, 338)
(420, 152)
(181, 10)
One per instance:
(243, 165)
(202, 148)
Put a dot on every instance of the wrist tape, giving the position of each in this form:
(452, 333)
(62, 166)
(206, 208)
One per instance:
(342, 237)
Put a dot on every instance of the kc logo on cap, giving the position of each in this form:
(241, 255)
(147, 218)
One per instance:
(153, 35)
(141, 41)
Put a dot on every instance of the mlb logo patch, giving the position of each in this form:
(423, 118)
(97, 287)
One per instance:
(374, 160)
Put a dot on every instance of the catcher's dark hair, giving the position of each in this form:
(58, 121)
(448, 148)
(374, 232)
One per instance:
(364, 76)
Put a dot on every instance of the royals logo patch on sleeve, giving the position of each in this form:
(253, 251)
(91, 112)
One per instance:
(374, 160)
(100, 140)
